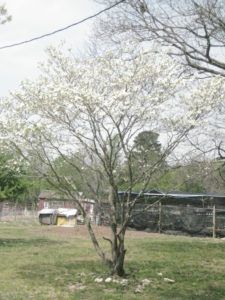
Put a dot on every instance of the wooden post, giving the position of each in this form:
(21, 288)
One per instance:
(214, 221)
(160, 217)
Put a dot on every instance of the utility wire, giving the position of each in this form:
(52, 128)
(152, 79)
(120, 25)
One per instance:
(63, 28)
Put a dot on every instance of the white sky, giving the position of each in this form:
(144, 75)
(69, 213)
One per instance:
(32, 18)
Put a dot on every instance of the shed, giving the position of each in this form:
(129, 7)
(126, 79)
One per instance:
(66, 217)
(53, 200)
(60, 216)
(46, 216)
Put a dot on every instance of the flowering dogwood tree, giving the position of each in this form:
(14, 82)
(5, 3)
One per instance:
(96, 107)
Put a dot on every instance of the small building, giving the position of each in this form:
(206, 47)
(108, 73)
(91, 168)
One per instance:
(49, 199)
(66, 217)
(53, 200)
(46, 216)
(60, 216)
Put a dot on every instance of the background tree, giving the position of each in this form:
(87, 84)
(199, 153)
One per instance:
(194, 30)
(185, 179)
(78, 170)
(13, 184)
(147, 152)
(98, 106)
(147, 146)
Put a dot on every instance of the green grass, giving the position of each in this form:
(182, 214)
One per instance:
(39, 263)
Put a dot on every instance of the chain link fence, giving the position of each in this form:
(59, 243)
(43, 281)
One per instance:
(174, 219)
(10, 211)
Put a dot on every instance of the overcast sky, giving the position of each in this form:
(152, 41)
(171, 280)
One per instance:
(31, 18)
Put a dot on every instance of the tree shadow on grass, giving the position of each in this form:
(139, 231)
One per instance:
(5, 242)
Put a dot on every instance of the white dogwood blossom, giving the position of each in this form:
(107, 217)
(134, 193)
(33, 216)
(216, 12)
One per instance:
(73, 95)
(87, 101)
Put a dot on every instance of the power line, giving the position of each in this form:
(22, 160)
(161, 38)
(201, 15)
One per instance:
(63, 28)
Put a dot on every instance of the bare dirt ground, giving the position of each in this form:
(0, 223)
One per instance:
(82, 232)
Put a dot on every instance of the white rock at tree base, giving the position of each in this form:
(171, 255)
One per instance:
(169, 280)
(145, 282)
(98, 280)
(124, 282)
(115, 281)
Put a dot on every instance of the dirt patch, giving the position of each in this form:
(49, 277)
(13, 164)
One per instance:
(81, 232)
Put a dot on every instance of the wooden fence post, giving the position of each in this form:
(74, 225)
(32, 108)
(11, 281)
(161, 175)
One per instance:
(160, 216)
(214, 221)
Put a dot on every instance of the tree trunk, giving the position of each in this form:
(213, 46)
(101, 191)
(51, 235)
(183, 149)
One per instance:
(97, 247)
(118, 251)
(118, 263)
(117, 237)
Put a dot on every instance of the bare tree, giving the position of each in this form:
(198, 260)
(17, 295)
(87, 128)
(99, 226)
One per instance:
(194, 29)
(4, 16)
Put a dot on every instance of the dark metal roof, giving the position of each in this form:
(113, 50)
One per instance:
(175, 194)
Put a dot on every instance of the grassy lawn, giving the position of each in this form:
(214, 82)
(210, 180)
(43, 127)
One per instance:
(41, 262)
